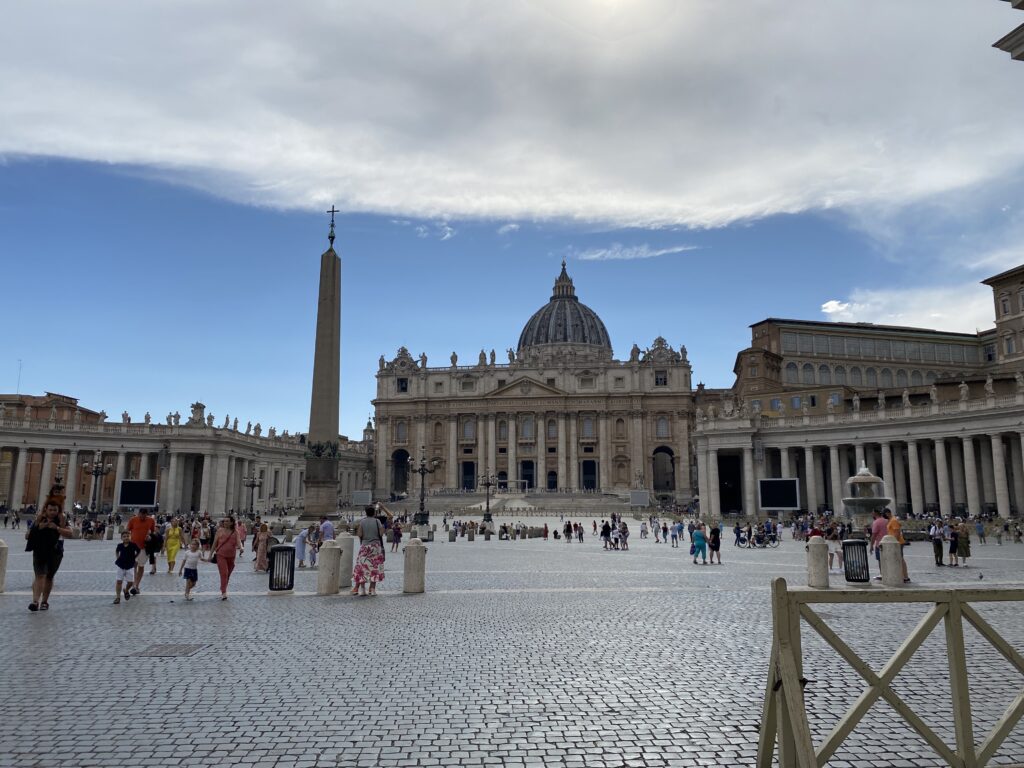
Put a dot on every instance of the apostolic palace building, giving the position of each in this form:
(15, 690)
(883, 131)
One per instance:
(938, 415)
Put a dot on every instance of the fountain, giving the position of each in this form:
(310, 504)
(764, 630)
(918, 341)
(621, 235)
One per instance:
(867, 493)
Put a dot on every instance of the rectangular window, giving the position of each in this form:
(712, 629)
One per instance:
(820, 344)
(1004, 303)
(402, 384)
(814, 401)
(439, 387)
(943, 352)
(551, 382)
(552, 450)
(1010, 346)
(755, 404)
(913, 350)
(794, 403)
(867, 347)
(853, 347)
(661, 378)
(836, 346)
(899, 350)
(753, 371)
(467, 451)
(956, 353)
(882, 349)
(990, 353)
(835, 398)
(776, 404)
(503, 450)
(806, 343)
(501, 383)
(789, 342)
(588, 449)
(586, 382)
(620, 382)
(928, 352)
(468, 385)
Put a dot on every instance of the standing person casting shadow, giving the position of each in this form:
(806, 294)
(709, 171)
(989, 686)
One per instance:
(369, 566)
(43, 540)
(226, 546)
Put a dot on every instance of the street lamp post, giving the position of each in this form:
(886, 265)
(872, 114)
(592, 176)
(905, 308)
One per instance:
(422, 517)
(488, 482)
(252, 482)
(98, 470)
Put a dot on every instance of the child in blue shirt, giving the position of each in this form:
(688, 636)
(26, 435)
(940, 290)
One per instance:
(125, 564)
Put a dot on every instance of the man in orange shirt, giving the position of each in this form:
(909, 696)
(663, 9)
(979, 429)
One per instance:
(139, 527)
(895, 529)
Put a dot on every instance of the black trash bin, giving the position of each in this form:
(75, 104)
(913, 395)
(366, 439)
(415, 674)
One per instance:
(855, 560)
(282, 568)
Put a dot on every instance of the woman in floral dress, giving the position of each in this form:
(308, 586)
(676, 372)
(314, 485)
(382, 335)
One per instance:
(262, 540)
(369, 566)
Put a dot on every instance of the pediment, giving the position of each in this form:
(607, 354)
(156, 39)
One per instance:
(526, 387)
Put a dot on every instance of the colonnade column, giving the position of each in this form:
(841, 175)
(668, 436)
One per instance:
(563, 478)
(1015, 467)
(916, 501)
(452, 470)
(988, 478)
(971, 476)
(928, 475)
(899, 471)
(118, 477)
(574, 459)
(220, 485)
(229, 484)
(859, 460)
(811, 481)
(836, 477)
(703, 483)
(942, 476)
(683, 456)
(44, 477)
(170, 494)
(511, 453)
(749, 504)
(70, 481)
(603, 454)
(204, 488)
(999, 465)
(784, 462)
(956, 459)
(715, 509)
(18, 491)
(382, 484)
(887, 470)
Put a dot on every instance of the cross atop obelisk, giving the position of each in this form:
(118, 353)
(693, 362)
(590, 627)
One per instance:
(322, 441)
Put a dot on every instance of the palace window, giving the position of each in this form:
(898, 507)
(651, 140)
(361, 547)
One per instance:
(835, 398)
(401, 432)
(915, 379)
(776, 404)
(794, 402)
(438, 431)
(753, 371)
(528, 428)
(901, 378)
(1010, 346)
(791, 373)
(620, 427)
(661, 378)
(469, 429)
(552, 429)
(872, 378)
(661, 429)
(588, 426)
(402, 384)
(855, 377)
(824, 375)
(503, 430)
(840, 375)
(551, 382)
(886, 377)
(808, 373)
(755, 405)
(501, 383)
(1004, 304)
(588, 449)
(990, 353)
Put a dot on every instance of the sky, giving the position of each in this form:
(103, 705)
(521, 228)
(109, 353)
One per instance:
(700, 165)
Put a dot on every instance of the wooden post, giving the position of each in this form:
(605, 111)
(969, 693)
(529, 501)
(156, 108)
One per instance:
(958, 683)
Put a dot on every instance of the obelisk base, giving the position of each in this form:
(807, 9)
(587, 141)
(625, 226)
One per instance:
(321, 487)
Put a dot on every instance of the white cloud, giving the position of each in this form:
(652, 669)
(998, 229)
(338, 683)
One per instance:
(620, 252)
(642, 113)
(964, 308)
(507, 229)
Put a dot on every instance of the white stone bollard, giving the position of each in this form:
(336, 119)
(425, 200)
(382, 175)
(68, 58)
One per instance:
(817, 563)
(3, 564)
(415, 567)
(328, 562)
(347, 544)
(891, 562)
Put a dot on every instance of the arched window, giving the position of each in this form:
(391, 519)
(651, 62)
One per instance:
(438, 431)
(503, 430)
(916, 380)
(840, 375)
(824, 375)
(808, 373)
(662, 427)
(469, 429)
(886, 377)
(871, 377)
(930, 377)
(791, 374)
(528, 427)
(588, 426)
(552, 429)
(855, 377)
(901, 378)
(401, 432)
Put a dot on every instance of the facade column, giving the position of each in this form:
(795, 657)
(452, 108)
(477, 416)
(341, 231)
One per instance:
(481, 447)
(636, 451)
(928, 473)
(811, 481)
(682, 440)
(844, 461)
(71, 481)
(541, 464)
(784, 462)
(942, 477)
(999, 465)
(18, 490)
(604, 454)
(956, 458)
(837, 479)
(421, 436)
(574, 458)
(204, 492)
(118, 477)
(383, 482)
(916, 496)
(971, 476)
(1015, 467)
(512, 452)
(44, 477)
(899, 475)
(714, 496)
(492, 443)
(887, 471)
(859, 458)
(749, 500)
(703, 486)
(452, 470)
(563, 459)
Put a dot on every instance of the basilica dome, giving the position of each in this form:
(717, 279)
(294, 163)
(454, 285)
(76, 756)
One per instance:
(565, 320)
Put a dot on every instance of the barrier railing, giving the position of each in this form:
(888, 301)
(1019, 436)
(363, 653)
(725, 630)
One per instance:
(784, 717)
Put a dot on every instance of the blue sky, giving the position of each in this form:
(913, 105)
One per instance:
(161, 203)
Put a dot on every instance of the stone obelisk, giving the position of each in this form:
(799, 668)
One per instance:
(322, 441)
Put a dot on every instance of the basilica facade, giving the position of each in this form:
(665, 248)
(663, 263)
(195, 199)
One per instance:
(561, 414)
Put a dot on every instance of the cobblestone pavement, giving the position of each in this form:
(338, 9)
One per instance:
(521, 653)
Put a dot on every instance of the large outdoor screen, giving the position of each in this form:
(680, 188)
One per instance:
(137, 493)
(779, 493)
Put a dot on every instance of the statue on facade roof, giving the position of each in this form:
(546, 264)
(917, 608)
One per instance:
(881, 400)
(272, 432)
(76, 419)
(906, 398)
(380, 363)
(147, 418)
(634, 354)
(492, 357)
(830, 406)
(227, 422)
(965, 392)
(483, 358)
(990, 389)
(933, 394)
(1018, 378)
(511, 355)
(423, 359)
(856, 402)
(257, 430)
(234, 424)
(177, 418)
(248, 427)
(170, 418)
(454, 359)
(209, 420)
(53, 413)
(744, 410)
(125, 418)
